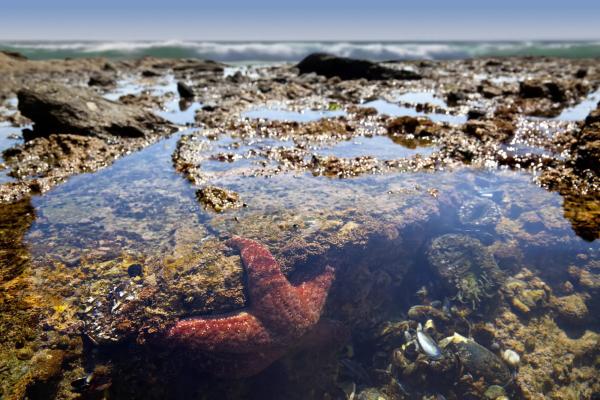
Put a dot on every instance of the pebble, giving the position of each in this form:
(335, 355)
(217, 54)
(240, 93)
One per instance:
(511, 358)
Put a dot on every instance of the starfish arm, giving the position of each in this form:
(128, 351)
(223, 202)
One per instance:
(283, 308)
(314, 292)
(239, 333)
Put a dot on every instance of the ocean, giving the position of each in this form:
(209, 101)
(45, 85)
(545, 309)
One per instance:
(273, 51)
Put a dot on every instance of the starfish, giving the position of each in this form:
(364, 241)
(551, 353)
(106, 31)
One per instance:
(280, 316)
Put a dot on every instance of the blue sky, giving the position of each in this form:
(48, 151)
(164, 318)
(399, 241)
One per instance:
(300, 19)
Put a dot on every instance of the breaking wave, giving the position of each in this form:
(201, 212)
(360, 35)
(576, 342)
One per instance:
(295, 51)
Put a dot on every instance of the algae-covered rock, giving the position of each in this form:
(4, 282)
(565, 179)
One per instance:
(571, 308)
(218, 199)
(465, 268)
(482, 363)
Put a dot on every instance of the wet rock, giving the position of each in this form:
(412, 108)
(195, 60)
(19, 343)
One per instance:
(101, 80)
(571, 309)
(185, 91)
(581, 73)
(587, 146)
(218, 199)
(371, 394)
(60, 109)
(419, 127)
(542, 89)
(149, 73)
(489, 90)
(347, 68)
(15, 220)
(482, 363)
(476, 113)
(494, 392)
(453, 98)
(465, 267)
(135, 270)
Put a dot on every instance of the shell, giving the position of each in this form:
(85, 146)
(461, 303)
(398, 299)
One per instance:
(428, 345)
(511, 358)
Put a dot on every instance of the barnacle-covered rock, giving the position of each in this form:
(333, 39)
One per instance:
(465, 267)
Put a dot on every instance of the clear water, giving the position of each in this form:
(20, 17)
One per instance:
(391, 109)
(9, 137)
(580, 111)
(421, 98)
(141, 207)
(292, 116)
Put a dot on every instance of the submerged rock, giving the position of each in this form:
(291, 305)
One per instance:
(482, 363)
(348, 68)
(218, 199)
(56, 108)
(465, 267)
(480, 213)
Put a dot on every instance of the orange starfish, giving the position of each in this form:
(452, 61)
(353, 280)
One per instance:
(280, 316)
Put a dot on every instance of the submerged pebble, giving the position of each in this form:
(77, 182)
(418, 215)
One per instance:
(511, 358)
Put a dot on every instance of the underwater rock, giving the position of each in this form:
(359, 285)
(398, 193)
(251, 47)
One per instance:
(348, 68)
(511, 358)
(479, 213)
(465, 267)
(571, 308)
(279, 317)
(61, 109)
(218, 199)
(481, 363)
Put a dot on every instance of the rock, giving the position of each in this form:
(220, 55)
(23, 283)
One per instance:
(465, 267)
(581, 73)
(494, 392)
(419, 127)
(135, 270)
(184, 91)
(453, 98)
(489, 90)
(511, 358)
(149, 73)
(59, 109)
(479, 213)
(482, 363)
(347, 68)
(571, 308)
(587, 146)
(101, 80)
(218, 199)
(475, 113)
(14, 54)
(542, 89)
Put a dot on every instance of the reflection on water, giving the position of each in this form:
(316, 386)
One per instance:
(381, 147)
(581, 110)
(421, 98)
(294, 116)
(9, 137)
(395, 110)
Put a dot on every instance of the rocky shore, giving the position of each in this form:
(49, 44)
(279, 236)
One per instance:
(428, 229)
